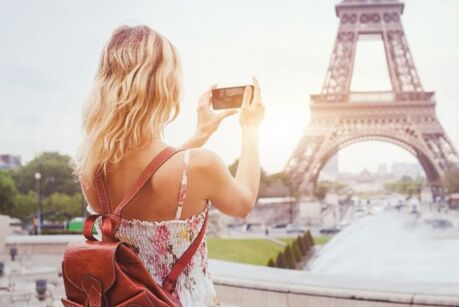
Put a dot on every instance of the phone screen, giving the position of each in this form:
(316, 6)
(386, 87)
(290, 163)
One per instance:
(229, 97)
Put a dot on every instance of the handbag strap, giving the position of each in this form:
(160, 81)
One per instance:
(171, 278)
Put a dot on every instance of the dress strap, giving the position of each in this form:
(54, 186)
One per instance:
(183, 185)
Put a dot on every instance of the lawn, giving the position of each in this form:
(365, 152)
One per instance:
(251, 251)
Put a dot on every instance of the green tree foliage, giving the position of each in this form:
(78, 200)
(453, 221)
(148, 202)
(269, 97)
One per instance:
(324, 187)
(233, 167)
(308, 238)
(24, 205)
(271, 263)
(63, 203)
(56, 174)
(281, 261)
(321, 191)
(302, 246)
(289, 257)
(451, 180)
(406, 186)
(274, 185)
(296, 251)
(7, 192)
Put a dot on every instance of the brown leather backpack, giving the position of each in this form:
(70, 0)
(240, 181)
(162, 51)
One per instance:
(109, 272)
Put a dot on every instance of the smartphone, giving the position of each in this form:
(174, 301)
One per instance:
(228, 97)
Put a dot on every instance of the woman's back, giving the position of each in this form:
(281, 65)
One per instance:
(162, 241)
(158, 198)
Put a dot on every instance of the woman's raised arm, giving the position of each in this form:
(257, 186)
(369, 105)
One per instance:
(235, 196)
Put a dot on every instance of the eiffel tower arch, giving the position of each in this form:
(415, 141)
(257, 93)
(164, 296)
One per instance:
(404, 116)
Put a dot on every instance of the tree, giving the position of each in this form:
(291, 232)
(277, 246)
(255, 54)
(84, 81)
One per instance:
(406, 185)
(63, 203)
(321, 191)
(290, 257)
(296, 251)
(233, 167)
(271, 263)
(308, 238)
(281, 261)
(24, 205)
(56, 175)
(451, 180)
(302, 245)
(7, 192)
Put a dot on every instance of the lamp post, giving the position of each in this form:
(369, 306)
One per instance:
(39, 209)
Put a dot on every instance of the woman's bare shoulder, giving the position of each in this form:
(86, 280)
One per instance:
(204, 159)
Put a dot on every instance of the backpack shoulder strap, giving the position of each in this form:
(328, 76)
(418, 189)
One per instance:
(102, 195)
(171, 278)
(149, 170)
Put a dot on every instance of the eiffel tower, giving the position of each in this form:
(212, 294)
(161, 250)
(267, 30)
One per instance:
(404, 116)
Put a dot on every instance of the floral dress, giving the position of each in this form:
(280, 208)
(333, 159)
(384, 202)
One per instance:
(161, 243)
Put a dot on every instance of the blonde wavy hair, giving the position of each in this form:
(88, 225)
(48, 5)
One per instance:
(136, 92)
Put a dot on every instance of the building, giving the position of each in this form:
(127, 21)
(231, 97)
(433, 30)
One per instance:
(413, 170)
(8, 162)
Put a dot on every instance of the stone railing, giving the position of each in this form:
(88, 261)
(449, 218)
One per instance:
(248, 285)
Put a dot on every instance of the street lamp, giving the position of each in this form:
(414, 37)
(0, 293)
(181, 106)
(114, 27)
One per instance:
(39, 209)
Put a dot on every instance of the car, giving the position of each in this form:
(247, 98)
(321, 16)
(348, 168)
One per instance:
(329, 231)
(441, 224)
(292, 228)
(253, 227)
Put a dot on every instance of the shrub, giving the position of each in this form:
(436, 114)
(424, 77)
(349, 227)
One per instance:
(302, 247)
(281, 261)
(290, 257)
(309, 238)
(271, 263)
(296, 251)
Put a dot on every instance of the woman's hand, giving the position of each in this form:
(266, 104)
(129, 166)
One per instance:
(252, 112)
(208, 120)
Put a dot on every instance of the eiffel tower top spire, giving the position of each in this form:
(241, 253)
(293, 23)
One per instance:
(379, 18)
(352, 4)
(369, 1)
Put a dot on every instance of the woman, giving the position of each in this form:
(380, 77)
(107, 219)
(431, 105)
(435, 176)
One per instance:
(136, 93)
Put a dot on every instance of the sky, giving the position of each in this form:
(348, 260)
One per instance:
(50, 49)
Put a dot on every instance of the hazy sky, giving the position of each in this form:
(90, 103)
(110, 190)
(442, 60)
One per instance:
(49, 52)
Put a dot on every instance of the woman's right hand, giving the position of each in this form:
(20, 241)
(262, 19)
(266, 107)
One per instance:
(252, 112)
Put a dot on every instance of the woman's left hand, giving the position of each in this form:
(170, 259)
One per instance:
(209, 120)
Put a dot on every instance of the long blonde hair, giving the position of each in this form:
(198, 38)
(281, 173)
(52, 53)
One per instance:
(136, 92)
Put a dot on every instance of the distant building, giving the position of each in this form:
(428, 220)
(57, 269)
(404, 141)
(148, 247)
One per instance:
(413, 170)
(9, 162)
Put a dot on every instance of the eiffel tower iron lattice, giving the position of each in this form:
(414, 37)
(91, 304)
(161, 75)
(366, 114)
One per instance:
(404, 116)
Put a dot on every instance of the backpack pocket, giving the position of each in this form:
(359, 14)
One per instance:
(69, 303)
(139, 300)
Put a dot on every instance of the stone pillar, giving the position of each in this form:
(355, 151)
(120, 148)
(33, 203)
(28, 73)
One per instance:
(4, 231)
